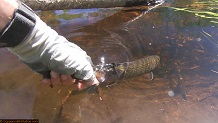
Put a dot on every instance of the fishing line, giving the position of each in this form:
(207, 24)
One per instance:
(145, 12)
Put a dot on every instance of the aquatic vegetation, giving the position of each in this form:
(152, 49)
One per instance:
(67, 16)
(207, 10)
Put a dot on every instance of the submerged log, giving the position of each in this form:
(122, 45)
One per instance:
(83, 4)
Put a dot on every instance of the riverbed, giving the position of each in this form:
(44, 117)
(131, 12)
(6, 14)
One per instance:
(185, 85)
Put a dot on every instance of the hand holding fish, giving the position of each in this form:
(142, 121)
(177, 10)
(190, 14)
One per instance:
(57, 79)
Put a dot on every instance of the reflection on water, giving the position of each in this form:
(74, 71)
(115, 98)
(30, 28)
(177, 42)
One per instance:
(17, 87)
(182, 33)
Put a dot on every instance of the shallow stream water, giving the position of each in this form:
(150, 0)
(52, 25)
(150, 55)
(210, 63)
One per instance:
(185, 86)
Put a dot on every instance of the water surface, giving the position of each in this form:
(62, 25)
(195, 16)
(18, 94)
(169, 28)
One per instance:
(183, 33)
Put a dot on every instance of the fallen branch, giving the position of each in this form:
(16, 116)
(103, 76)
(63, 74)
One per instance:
(83, 4)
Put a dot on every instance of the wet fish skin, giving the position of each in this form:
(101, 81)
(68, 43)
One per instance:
(124, 70)
(136, 68)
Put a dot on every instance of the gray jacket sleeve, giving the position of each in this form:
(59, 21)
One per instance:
(45, 50)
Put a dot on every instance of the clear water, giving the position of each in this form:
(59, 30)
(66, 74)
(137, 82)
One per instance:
(182, 32)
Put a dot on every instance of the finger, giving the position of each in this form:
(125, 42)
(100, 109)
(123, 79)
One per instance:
(85, 84)
(55, 78)
(64, 77)
(82, 86)
(96, 82)
(46, 81)
(54, 74)
(67, 80)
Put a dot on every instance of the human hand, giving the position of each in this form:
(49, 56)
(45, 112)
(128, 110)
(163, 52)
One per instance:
(57, 79)
(44, 50)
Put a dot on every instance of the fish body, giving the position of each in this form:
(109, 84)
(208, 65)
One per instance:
(136, 68)
(109, 73)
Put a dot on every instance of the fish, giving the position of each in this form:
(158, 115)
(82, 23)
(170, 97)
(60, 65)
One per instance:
(108, 74)
(137, 68)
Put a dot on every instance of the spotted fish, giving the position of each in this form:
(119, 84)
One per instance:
(111, 72)
(136, 68)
